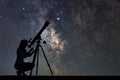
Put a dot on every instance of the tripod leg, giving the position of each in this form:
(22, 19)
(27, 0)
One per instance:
(31, 72)
(34, 57)
(37, 62)
(47, 60)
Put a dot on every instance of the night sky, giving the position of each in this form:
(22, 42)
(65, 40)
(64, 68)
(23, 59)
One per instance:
(83, 37)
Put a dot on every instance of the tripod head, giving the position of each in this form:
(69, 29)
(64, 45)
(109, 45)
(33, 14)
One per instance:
(38, 37)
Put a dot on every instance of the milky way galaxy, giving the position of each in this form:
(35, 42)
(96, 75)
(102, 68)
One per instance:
(83, 37)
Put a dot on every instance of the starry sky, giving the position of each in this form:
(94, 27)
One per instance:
(83, 37)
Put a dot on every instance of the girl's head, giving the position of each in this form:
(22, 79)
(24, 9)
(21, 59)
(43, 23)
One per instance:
(23, 43)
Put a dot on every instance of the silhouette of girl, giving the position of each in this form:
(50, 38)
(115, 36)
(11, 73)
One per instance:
(20, 65)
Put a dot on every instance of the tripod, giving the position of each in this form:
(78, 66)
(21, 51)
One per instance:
(36, 54)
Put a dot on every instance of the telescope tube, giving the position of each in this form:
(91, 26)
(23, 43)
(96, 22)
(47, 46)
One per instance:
(39, 33)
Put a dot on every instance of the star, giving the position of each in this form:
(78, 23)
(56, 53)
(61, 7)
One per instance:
(1, 16)
(23, 8)
(61, 12)
(58, 18)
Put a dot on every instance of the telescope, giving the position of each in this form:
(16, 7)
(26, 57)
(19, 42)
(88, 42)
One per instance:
(37, 37)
